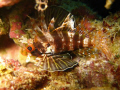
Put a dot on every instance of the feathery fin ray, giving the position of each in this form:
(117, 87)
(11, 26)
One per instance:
(58, 63)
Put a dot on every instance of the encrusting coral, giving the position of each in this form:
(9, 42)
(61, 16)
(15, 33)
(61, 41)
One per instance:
(108, 3)
(8, 2)
(15, 76)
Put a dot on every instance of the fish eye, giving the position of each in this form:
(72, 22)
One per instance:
(30, 48)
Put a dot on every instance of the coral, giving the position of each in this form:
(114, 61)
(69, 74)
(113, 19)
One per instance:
(16, 18)
(108, 3)
(117, 76)
(95, 72)
(15, 76)
(4, 26)
(8, 2)
(63, 81)
(41, 5)
(15, 30)
(103, 69)
(2, 30)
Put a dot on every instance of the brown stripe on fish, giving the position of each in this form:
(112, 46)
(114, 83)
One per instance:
(80, 41)
(76, 41)
(66, 41)
(90, 42)
(63, 43)
(57, 42)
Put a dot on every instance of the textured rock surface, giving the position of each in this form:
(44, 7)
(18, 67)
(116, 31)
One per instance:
(8, 2)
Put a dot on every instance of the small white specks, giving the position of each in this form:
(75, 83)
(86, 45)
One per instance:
(89, 55)
(71, 23)
(83, 53)
(37, 28)
(88, 62)
(41, 63)
(85, 42)
(48, 36)
(2, 61)
(105, 61)
(50, 40)
(44, 88)
(53, 20)
(71, 34)
(33, 32)
(17, 36)
(63, 40)
(78, 41)
(50, 49)
(23, 39)
(71, 40)
(44, 25)
(37, 58)
(80, 35)
(28, 58)
(96, 64)
(53, 51)
(29, 30)
(30, 41)
(12, 88)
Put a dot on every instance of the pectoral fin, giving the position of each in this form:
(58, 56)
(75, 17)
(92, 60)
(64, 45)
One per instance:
(58, 63)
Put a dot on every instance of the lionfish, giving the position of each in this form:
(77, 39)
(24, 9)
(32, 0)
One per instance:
(54, 38)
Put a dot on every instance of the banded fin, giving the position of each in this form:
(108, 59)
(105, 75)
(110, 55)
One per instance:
(58, 63)
(59, 14)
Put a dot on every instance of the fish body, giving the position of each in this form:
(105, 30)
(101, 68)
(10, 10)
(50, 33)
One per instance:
(55, 37)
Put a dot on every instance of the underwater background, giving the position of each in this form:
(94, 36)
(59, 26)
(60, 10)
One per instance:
(59, 45)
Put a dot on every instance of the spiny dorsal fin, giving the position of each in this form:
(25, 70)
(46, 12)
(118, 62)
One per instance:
(58, 13)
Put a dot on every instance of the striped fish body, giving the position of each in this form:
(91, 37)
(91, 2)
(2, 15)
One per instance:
(55, 36)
